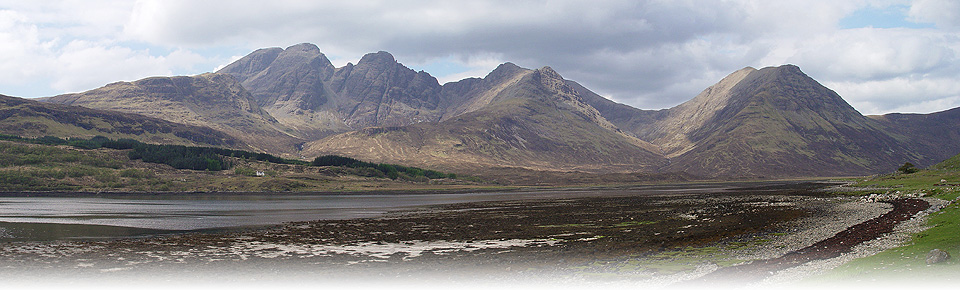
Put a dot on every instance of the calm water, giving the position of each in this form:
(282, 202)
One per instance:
(52, 218)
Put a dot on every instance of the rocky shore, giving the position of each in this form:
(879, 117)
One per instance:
(625, 241)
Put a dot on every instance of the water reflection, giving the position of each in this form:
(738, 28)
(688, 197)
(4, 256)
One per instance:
(50, 232)
(51, 218)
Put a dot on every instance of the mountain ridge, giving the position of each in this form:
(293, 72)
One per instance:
(753, 123)
(211, 100)
(530, 119)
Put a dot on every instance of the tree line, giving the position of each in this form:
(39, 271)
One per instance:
(392, 171)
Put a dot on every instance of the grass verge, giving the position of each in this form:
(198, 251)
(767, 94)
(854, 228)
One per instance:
(908, 262)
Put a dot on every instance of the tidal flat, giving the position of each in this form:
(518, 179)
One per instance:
(618, 239)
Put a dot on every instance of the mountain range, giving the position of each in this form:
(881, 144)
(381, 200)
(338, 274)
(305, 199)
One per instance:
(754, 123)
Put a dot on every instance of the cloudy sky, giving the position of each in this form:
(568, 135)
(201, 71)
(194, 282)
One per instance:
(881, 56)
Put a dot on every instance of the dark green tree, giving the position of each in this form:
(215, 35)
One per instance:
(908, 168)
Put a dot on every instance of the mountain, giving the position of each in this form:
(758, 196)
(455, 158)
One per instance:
(379, 91)
(772, 122)
(780, 122)
(210, 100)
(513, 117)
(32, 119)
(289, 85)
(304, 91)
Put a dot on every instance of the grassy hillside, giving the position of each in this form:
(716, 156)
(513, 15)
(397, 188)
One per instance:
(952, 164)
(26, 166)
(29, 118)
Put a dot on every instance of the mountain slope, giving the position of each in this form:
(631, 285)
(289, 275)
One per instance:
(513, 117)
(379, 91)
(936, 136)
(32, 119)
(211, 100)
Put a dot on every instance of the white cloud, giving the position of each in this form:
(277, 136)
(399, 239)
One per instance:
(944, 13)
(937, 105)
(474, 66)
(83, 65)
(48, 48)
(884, 70)
(225, 64)
(869, 53)
(20, 49)
(649, 54)
(885, 96)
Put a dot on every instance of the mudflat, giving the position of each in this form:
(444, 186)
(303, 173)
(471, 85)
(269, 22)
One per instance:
(650, 239)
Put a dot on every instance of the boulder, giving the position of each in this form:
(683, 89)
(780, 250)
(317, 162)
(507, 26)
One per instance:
(937, 256)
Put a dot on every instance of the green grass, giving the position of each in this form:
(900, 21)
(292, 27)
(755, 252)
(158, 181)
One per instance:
(12, 154)
(920, 181)
(30, 165)
(952, 164)
(908, 262)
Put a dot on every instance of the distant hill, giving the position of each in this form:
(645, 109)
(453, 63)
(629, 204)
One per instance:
(32, 119)
(215, 101)
(936, 135)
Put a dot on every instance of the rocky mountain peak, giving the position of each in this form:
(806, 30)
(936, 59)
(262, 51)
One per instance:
(554, 83)
(290, 86)
(788, 88)
(377, 58)
(548, 72)
(253, 63)
(504, 71)
(507, 65)
(379, 91)
(304, 47)
(302, 56)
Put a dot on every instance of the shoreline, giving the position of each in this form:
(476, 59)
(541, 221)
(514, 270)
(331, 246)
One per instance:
(743, 185)
(833, 247)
